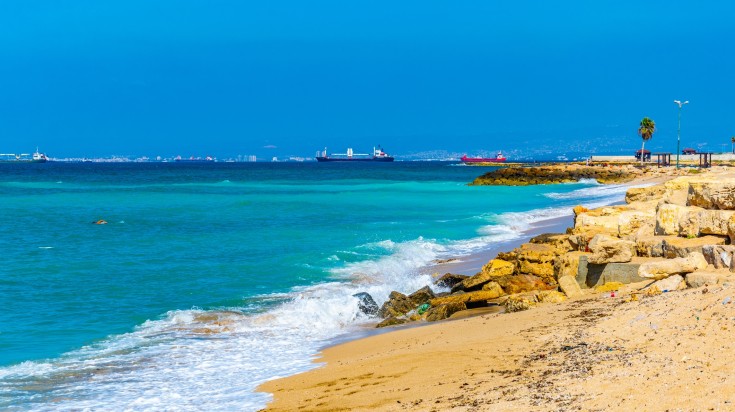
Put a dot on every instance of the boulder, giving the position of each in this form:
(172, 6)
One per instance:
(583, 235)
(397, 304)
(551, 296)
(448, 280)
(632, 224)
(677, 220)
(469, 298)
(718, 194)
(673, 282)
(675, 247)
(650, 246)
(492, 269)
(558, 241)
(518, 303)
(606, 249)
(537, 260)
(591, 275)
(392, 320)
(523, 283)
(720, 256)
(421, 296)
(567, 264)
(702, 278)
(493, 287)
(366, 304)
(643, 194)
(444, 311)
(569, 286)
(714, 222)
(603, 218)
(665, 268)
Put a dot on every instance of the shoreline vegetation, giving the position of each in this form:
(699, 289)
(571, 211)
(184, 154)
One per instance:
(631, 296)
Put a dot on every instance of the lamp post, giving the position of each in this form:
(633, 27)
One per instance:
(678, 131)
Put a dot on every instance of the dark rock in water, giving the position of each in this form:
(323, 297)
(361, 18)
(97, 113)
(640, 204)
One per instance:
(367, 304)
(421, 296)
(449, 279)
(444, 311)
(397, 304)
(391, 321)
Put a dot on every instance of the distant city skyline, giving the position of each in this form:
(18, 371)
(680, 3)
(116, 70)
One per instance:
(287, 78)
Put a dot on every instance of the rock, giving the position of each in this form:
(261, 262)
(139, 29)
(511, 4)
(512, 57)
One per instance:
(444, 311)
(448, 280)
(677, 220)
(550, 296)
(366, 304)
(715, 222)
(609, 287)
(521, 176)
(421, 296)
(702, 278)
(397, 304)
(523, 283)
(518, 303)
(643, 194)
(674, 247)
(537, 260)
(470, 299)
(558, 241)
(491, 270)
(673, 282)
(665, 268)
(632, 224)
(391, 321)
(567, 264)
(652, 291)
(650, 246)
(606, 249)
(583, 235)
(712, 194)
(603, 218)
(569, 286)
(493, 287)
(592, 275)
(720, 256)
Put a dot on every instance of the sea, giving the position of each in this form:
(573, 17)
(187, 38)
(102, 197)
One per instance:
(210, 279)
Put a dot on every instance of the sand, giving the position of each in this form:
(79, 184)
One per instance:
(594, 353)
(666, 352)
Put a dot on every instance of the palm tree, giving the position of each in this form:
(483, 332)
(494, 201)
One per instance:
(732, 141)
(646, 130)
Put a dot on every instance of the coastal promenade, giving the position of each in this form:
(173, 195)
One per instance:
(645, 320)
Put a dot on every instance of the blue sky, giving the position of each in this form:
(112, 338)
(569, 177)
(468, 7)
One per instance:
(269, 78)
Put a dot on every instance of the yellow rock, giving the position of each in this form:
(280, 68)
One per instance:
(497, 267)
(609, 287)
(468, 297)
(551, 296)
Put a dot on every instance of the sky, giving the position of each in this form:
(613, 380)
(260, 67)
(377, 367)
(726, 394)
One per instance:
(278, 78)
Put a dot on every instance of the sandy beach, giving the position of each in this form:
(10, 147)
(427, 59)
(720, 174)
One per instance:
(666, 352)
(595, 352)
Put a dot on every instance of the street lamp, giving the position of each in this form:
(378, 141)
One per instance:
(678, 131)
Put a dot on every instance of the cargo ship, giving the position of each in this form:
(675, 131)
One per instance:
(36, 157)
(497, 159)
(378, 156)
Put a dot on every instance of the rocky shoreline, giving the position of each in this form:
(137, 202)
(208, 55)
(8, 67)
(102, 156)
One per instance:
(629, 309)
(676, 234)
(567, 173)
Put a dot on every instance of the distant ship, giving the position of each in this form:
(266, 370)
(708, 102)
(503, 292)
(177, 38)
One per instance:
(378, 156)
(497, 159)
(36, 157)
(208, 159)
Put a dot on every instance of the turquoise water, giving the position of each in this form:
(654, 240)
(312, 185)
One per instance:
(214, 278)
